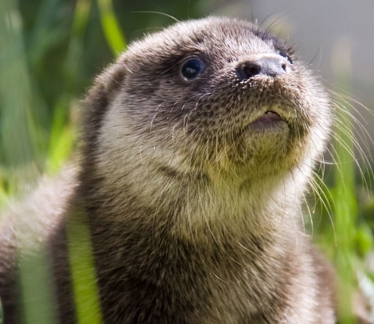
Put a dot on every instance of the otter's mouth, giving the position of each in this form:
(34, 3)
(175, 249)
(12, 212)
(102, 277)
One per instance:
(269, 119)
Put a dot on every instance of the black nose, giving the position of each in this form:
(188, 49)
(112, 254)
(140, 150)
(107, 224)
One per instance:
(271, 66)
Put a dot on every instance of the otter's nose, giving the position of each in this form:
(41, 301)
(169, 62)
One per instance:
(271, 66)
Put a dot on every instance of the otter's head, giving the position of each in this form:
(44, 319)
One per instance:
(209, 98)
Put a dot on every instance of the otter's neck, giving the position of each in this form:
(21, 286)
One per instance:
(196, 210)
(196, 244)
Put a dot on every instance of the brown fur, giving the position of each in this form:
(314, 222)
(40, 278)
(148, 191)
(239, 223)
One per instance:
(194, 215)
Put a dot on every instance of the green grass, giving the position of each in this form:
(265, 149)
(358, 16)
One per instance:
(86, 294)
(344, 202)
(51, 57)
(350, 230)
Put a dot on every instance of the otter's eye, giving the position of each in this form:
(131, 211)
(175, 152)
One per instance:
(191, 69)
(286, 57)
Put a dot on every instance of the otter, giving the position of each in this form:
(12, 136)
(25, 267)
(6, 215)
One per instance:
(198, 145)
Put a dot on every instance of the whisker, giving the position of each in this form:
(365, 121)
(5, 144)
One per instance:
(157, 13)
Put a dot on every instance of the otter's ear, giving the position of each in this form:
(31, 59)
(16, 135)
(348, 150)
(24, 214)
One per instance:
(113, 77)
(99, 97)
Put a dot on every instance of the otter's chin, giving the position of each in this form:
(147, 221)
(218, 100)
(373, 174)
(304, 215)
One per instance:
(266, 141)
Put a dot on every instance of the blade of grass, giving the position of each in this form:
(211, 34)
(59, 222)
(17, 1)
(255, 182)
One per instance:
(3, 193)
(86, 291)
(35, 281)
(73, 63)
(62, 131)
(61, 139)
(16, 144)
(1, 313)
(345, 202)
(47, 31)
(111, 27)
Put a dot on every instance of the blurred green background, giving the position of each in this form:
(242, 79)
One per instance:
(50, 51)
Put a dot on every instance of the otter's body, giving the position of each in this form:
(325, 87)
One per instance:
(198, 146)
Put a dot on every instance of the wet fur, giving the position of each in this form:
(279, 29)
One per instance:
(194, 217)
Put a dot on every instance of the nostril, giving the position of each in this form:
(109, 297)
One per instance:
(268, 65)
(251, 69)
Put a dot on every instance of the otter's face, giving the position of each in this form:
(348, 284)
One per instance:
(214, 94)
